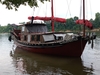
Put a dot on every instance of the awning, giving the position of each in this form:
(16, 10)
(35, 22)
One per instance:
(57, 19)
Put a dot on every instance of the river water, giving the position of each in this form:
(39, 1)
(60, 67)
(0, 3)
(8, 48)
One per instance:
(14, 61)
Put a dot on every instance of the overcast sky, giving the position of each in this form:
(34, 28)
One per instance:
(63, 8)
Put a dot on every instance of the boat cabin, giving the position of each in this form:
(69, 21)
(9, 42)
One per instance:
(38, 33)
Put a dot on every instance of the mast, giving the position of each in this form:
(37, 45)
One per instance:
(84, 17)
(52, 16)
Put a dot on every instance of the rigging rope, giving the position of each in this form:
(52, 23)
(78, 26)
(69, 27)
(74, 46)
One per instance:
(90, 7)
(55, 8)
(46, 10)
(68, 4)
(38, 8)
(80, 9)
(87, 7)
(33, 10)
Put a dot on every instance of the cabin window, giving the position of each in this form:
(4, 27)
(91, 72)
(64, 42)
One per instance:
(38, 38)
(28, 40)
(25, 37)
(49, 37)
(23, 28)
(60, 38)
(32, 38)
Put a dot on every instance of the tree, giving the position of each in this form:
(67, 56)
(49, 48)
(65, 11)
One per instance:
(10, 4)
(97, 20)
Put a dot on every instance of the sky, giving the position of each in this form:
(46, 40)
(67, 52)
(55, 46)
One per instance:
(62, 8)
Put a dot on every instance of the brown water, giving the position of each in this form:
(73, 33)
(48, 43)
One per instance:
(14, 61)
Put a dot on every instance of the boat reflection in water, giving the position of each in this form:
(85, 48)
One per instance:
(37, 64)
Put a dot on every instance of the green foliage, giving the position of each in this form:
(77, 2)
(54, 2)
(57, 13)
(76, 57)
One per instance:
(97, 20)
(10, 4)
(5, 29)
(69, 25)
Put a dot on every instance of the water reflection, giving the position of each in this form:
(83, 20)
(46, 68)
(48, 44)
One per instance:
(91, 58)
(36, 64)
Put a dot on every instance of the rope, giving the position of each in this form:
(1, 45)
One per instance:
(38, 11)
(68, 7)
(90, 7)
(80, 9)
(55, 7)
(33, 10)
(46, 10)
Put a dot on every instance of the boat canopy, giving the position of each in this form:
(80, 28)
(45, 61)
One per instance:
(57, 19)
(85, 22)
(36, 28)
(38, 21)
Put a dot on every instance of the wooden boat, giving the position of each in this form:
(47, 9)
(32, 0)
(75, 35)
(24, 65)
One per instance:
(34, 37)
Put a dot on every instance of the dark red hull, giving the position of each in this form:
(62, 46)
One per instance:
(72, 49)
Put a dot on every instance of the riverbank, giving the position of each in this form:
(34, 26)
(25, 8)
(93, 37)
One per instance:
(96, 29)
